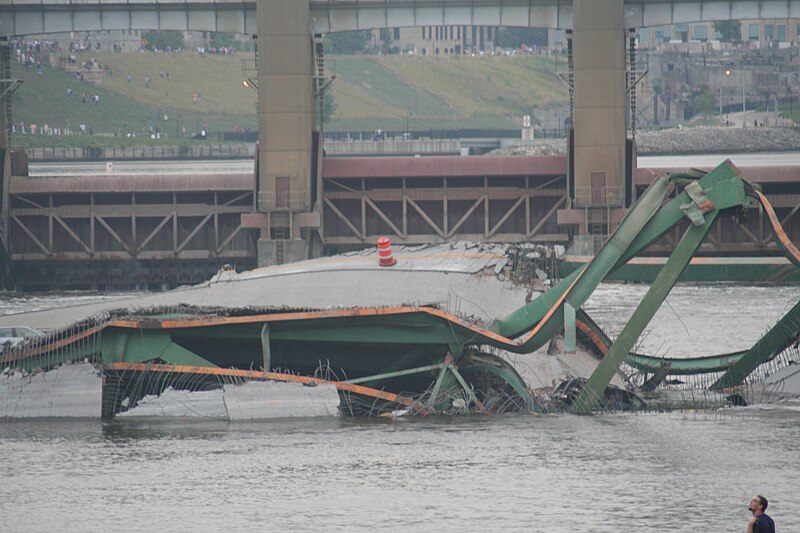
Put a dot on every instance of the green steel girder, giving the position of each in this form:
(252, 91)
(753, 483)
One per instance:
(466, 387)
(373, 331)
(722, 186)
(492, 364)
(685, 366)
(397, 373)
(266, 351)
(683, 253)
(122, 345)
(74, 352)
(590, 276)
(655, 380)
(445, 384)
(778, 338)
(678, 366)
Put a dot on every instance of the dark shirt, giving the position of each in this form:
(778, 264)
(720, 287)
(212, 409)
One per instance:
(764, 524)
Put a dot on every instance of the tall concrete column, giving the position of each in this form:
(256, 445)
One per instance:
(5, 168)
(285, 104)
(599, 101)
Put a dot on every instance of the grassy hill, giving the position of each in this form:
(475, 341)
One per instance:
(370, 92)
(441, 92)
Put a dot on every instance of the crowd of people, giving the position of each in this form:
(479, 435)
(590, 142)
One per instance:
(45, 129)
(68, 58)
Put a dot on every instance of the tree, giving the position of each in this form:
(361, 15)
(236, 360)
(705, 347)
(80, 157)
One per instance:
(163, 40)
(703, 100)
(516, 37)
(228, 40)
(347, 42)
(731, 30)
(386, 39)
(328, 107)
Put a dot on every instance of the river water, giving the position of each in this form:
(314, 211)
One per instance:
(652, 472)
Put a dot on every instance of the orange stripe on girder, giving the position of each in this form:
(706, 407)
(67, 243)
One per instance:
(346, 313)
(44, 348)
(272, 376)
(776, 226)
(595, 338)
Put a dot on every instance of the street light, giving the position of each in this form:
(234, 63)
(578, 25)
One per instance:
(728, 72)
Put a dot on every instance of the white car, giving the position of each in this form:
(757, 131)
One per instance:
(11, 335)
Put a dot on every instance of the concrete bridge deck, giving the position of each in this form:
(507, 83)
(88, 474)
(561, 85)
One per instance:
(22, 17)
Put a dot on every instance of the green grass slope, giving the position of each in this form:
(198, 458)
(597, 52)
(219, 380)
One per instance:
(370, 92)
(441, 92)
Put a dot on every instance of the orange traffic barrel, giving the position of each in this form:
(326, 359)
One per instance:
(385, 258)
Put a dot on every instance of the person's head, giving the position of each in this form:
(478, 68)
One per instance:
(758, 504)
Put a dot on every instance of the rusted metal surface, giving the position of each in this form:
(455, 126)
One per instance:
(502, 209)
(126, 225)
(162, 217)
(274, 376)
(116, 183)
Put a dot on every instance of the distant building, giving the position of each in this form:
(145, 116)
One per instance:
(777, 33)
(770, 32)
(438, 40)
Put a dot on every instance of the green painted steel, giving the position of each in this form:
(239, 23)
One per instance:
(120, 345)
(685, 366)
(601, 377)
(656, 379)
(489, 363)
(718, 190)
(523, 319)
(782, 335)
(570, 340)
(445, 384)
(677, 366)
(466, 387)
(266, 351)
(397, 373)
(376, 346)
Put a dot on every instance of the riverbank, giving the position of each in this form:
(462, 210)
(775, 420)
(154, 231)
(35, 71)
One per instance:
(683, 141)
(686, 141)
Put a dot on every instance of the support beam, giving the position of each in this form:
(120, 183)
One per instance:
(285, 108)
(600, 105)
(661, 287)
(266, 352)
(778, 338)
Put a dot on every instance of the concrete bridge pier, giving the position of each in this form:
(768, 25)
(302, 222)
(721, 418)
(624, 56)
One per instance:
(286, 167)
(600, 112)
(5, 158)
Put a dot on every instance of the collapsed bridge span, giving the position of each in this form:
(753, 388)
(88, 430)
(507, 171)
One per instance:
(424, 358)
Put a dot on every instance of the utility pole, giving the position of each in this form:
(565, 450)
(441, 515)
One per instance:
(744, 107)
